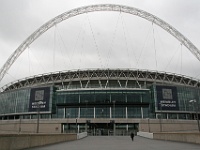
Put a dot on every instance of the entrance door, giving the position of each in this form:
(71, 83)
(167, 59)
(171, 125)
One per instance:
(110, 129)
(99, 129)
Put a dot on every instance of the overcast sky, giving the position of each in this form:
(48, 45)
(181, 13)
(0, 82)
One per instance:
(98, 40)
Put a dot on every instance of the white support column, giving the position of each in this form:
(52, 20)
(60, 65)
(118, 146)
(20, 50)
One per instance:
(94, 112)
(110, 107)
(142, 112)
(114, 129)
(64, 113)
(63, 128)
(110, 113)
(126, 112)
(126, 107)
(141, 107)
(79, 109)
(78, 128)
(79, 112)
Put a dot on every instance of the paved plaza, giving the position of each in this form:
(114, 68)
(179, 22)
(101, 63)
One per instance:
(119, 143)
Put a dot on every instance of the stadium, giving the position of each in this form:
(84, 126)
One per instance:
(100, 101)
(100, 98)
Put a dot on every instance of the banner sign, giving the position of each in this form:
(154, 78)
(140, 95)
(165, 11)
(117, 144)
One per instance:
(167, 98)
(39, 99)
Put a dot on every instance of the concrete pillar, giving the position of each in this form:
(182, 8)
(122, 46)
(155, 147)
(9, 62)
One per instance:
(86, 127)
(79, 112)
(94, 112)
(126, 112)
(110, 112)
(141, 107)
(78, 128)
(114, 129)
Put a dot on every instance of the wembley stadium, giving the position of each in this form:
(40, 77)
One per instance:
(100, 101)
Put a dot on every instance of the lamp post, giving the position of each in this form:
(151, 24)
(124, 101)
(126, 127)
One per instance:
(68, 114)
(113, 109)
(193, 101)
(148, 121)
(38, 116)
(114, 117)
(20, 122)
(76, 126)
(86, 113)
(102, 113)
(160, 117)
(86, 108)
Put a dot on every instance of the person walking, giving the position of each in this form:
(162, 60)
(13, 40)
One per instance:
(132, 136)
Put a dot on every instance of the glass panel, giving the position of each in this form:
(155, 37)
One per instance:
(60, 112)
(172, 116)
(119, 96)
(87, 97)
(146, 113)
(103, 97)
(103, 112)
(182, 116)
(134, 112)
(87, 113)
(132, 97)
(119, 112)
(71, 112)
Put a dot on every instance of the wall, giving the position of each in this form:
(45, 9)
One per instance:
(21, 141)
(30, 126)
(145, 134)
(54, 125)
(167, 125)
(181, 137)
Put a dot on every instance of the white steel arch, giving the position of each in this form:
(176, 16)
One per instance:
(101, 7)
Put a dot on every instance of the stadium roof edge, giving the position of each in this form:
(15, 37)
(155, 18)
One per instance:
(191, 79)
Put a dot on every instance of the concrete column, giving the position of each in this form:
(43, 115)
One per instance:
(94, 112)
(141, 107)
(142, 112)
(114, 129)
(79, 109)
(79, 112)
(64, 113)
(110, 113)
(126, 112)
(63, 128)
(85, 126)
(78, 128)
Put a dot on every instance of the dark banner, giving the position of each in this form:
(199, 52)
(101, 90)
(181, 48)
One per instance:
(167, 98)
(39, 99)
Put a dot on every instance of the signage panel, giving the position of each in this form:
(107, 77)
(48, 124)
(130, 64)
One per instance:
(167, 98)
(39, 99)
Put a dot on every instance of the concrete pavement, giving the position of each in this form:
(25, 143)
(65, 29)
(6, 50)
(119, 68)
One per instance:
(119, 143)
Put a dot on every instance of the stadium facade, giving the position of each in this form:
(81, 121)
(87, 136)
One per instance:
(102, 102)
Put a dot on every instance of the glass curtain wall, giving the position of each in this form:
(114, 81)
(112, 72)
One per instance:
(15, 101)
(105, 103)
(15, 104)
(188, 103)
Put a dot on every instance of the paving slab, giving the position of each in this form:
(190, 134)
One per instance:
(119, 143)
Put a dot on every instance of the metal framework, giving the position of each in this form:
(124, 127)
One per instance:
(86, 78)
(92, 8)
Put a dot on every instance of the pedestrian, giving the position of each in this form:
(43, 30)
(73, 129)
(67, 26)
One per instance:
(132, 136)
